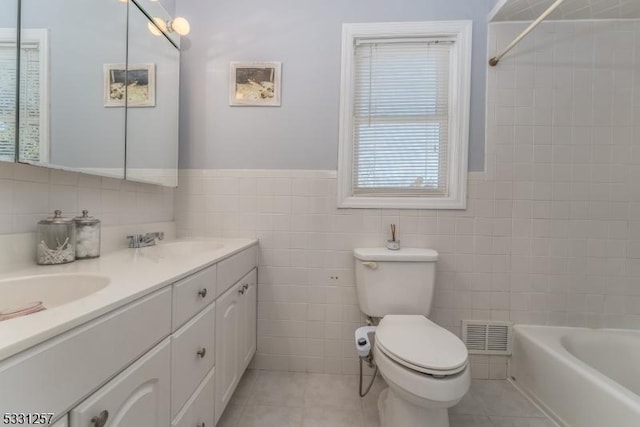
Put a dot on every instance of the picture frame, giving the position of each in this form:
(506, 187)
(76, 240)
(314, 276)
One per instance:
(141, 85)
(255, 83)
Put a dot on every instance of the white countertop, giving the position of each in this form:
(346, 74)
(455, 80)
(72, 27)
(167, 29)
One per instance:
(133, 273)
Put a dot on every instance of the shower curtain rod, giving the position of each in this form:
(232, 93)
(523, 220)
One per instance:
(494, 61)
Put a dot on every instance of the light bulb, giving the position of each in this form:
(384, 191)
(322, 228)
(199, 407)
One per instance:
(153, 29)
(159, 27)
(180, 25)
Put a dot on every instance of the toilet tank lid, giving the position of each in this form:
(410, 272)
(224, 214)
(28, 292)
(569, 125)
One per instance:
(404, 254)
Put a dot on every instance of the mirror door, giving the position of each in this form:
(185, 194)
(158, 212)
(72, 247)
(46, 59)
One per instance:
(72, 106)
(8, 79)
(152, 106)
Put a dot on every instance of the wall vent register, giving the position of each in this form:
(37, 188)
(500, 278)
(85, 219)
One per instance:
(487, 337)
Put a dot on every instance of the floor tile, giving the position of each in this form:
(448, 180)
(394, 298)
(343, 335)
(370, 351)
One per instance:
(279, 389)
(469, 405)
(230, 416)
(270, 416)
(520, 422)
(333, 417)
(340, 391)
(283, 399)
(371, 417)
(500, 398)
(371, 399)
(466, 420)
(245, 387)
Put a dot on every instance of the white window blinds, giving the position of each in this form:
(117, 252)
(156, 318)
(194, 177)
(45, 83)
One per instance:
(30, 102)
(401, 117)
(33, 128)
(7, 100)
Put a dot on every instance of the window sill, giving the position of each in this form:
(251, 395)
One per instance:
(402, 202)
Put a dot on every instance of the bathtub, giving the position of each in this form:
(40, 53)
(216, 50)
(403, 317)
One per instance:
(579, 377)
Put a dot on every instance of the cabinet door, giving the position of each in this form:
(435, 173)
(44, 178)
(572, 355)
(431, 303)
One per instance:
(228, 358)
(137, 397)
(249, 307)
(62, 422)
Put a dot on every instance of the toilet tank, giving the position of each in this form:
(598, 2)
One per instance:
(395, 282)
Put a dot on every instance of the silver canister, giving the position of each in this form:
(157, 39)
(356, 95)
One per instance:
(87, 236)
(56, 240)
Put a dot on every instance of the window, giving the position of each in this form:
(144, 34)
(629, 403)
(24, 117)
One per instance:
(8, 53)
(404, 124)
(34, 119)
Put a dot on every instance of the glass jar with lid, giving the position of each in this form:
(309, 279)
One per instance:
(56, 240)
(87, 236)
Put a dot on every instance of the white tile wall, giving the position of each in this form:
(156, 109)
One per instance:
(565, 136)
(551, 235)
(30, 193)
(308, 307)
(528, 10)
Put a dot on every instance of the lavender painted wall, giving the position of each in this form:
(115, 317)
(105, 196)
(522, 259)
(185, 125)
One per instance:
(306, 37)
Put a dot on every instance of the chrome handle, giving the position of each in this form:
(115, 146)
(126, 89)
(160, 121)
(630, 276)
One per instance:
(101, 419)
(241, 291)
(203, 292)
(245, 287)
(201, 352)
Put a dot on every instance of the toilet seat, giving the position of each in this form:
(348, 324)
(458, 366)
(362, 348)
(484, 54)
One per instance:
(419, 344)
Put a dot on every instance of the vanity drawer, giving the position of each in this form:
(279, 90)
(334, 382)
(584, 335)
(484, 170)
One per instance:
(232, 269)
(192, 294)
(192, 349)
(58, 373)
(199, 410)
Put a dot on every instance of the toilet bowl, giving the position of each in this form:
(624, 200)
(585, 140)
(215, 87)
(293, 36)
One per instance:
(426, 368)
(425, 365)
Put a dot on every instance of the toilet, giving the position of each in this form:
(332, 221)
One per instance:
(425, 365)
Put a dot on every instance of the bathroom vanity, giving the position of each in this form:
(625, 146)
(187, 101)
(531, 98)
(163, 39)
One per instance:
(164, 343)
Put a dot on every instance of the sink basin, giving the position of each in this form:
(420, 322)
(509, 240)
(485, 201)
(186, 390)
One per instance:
(52, 290)
(184, 247)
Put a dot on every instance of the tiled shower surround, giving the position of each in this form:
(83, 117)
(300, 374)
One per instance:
(551, 234)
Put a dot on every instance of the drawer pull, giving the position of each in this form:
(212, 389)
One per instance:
(201, 352)
(203, 292)
(101, 419)
(245, 287)
(241, 290)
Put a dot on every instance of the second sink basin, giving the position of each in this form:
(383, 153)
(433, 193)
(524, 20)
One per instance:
(52, 290)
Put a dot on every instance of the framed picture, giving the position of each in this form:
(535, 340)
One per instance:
(138, 83)
(254, 83)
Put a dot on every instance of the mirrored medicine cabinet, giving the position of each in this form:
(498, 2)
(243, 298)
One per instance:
(93, 88)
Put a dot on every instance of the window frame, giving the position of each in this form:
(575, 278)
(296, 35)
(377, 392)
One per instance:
(459, 107)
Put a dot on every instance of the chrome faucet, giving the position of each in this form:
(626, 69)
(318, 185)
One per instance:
(147, 239)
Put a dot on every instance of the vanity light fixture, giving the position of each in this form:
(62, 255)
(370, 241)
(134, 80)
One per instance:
(157, 27)
(178, 24)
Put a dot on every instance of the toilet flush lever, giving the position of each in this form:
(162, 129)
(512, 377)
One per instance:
(363, 344)
(370, 264)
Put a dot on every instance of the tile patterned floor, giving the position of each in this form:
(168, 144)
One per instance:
(287, 399)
